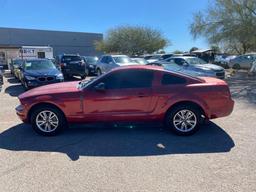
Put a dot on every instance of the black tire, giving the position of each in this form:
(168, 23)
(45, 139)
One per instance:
(173, 113)
(236, 66)
(83, 76)
(62, 124)
(99, 72)
(26, 87)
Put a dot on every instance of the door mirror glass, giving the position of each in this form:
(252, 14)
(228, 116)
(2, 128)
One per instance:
(100, 87)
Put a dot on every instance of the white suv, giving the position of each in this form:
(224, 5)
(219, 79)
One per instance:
(108, 62)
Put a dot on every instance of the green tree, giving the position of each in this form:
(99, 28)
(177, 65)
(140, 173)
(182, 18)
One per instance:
(193, 49)
(229, 23)
(215, 48)
(132, 40)
(178, 52)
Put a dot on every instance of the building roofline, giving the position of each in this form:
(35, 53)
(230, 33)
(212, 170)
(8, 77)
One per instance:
(46, 30)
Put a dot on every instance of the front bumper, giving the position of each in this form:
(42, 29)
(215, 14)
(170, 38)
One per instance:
(22, 113)
(37, 83)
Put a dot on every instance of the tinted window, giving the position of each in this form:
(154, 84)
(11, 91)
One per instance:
(179, 61)
(129, 79)
(104, 59)
(169, 79)
(166, 56)
(70, 58)
(91, 60)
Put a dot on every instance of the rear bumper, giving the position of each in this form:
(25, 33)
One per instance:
(224, 110)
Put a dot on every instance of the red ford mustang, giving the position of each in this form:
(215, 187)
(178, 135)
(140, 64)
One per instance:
(128, 94)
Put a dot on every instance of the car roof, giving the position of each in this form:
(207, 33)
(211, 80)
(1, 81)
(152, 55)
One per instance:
(182, 57)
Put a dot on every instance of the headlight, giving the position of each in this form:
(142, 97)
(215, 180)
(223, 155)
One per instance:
(59, 76)
(30, 78)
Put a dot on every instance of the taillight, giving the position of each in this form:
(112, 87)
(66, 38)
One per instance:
(63, 65)
(82, 63)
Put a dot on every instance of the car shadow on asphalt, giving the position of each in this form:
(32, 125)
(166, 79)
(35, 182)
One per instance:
(117, 141)
(14, 90)
(243, 87)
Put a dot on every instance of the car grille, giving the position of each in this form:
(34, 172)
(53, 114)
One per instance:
(45, 79)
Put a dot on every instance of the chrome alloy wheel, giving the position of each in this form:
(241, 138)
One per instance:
(47, 121)
(184, 120)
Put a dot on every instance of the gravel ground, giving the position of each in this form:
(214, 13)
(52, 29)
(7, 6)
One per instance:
(220, 157)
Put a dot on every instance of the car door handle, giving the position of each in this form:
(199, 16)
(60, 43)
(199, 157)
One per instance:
(142, 95)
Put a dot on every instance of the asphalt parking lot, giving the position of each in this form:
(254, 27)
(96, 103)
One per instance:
(220, 157)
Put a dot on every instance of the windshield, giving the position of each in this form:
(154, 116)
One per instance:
(155, 57)
(122, 59)
(39, 65)
(92, 60)
(141, 61)
(195, 60)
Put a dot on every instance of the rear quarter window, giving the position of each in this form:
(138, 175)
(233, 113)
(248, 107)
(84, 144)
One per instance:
(169, 79)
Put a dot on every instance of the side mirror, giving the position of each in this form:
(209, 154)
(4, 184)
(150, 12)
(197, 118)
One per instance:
(100, 87)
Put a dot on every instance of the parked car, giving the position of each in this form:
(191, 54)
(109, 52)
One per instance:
(128, 94)
(192, 66)
(141, 61)
(109, 62)
(242, 61)
(1, 76)
(91, 63)
(72, 65)
(223, 60)
(38, 72)
(15, 67)
(154, 58)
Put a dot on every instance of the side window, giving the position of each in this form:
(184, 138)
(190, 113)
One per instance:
(179, 61)
(109, 59)
(129, 79)
(103, 59)
(169, 79)
(136, 79)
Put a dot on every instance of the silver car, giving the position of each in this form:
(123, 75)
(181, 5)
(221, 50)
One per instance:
(192, 66)
(109, 62)
(242, 61)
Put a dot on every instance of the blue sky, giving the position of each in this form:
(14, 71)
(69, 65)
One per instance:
(172, 17)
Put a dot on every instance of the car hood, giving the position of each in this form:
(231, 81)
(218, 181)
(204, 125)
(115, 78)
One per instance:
(66, 87)
(209, 67)
(126, 64)
(47, 72)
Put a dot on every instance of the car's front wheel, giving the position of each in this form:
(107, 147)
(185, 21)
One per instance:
(183, 120)
(48, 121)
(99, 72)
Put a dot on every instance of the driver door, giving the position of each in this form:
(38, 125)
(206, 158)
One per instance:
(126, 95)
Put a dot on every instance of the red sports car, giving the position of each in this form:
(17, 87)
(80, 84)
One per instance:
(128, 94)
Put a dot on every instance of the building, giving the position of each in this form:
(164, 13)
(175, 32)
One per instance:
(12, 40)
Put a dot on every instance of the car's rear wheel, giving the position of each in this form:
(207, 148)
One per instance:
(183, 120)
(48, 121)
(236, 66)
